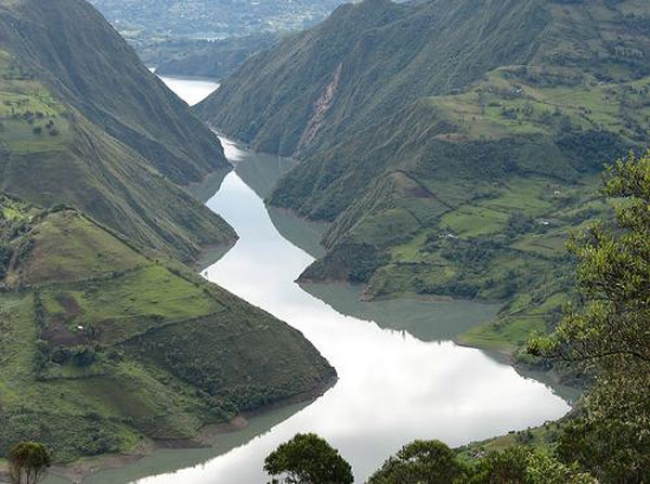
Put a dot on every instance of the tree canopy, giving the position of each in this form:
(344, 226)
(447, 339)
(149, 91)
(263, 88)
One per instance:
(608, 333)
(28, 462)
(420, 462)
(308, 459)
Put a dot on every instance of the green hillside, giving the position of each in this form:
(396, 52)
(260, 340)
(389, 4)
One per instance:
(102, 347)
(70, 47)
(452, 145)
(92, 128)
(106, 339)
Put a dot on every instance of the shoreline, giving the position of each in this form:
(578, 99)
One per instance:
(77, 472)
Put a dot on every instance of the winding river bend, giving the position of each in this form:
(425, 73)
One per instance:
(393, 387)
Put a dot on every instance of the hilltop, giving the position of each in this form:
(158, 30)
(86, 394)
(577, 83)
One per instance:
(103, 346)
(452, 145)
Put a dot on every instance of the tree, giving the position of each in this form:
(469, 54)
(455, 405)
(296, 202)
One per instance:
(420, 462)
(609, 333)
(507, 467)
(308, 459)
(28, 462)
(520, 465)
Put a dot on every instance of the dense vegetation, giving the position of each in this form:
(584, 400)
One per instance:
(453, 145)
(28, 462)
(308, 459)
(102, 346)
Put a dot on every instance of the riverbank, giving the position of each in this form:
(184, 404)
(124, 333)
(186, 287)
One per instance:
(433, 388)
(208, 437)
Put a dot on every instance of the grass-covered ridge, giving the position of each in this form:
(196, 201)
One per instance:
(453, 146)
(102, 346)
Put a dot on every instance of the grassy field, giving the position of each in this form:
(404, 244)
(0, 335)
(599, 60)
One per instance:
(504, 240)
(504, 104)
(70, 247)
(102, 347)
(32, 120)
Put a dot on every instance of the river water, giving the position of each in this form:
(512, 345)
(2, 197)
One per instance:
(395, 385)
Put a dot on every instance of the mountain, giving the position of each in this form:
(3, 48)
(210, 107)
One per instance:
(210, 59)
(107, 340)
(207, 38)
(45, 39)
(451, 144)
(86, 124)
(210, 19)
(102, 345)
(377, 57)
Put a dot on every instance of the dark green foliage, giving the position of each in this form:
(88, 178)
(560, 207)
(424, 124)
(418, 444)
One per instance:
(69, 437)
(5, 256)
(308, 459)
(221, 367)
(348, 261)
(613, 450)
(607, 332)
(507, 467)
(83, 356)
(421, 462)
(432, 462)
(28, 462)
(591, 150)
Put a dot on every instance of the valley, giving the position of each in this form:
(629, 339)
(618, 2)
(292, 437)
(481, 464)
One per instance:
(452, 164)
(261, 268)
(207, 38)
(108, 337)
(392, 227)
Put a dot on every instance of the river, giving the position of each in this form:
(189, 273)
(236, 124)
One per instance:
(395, 385)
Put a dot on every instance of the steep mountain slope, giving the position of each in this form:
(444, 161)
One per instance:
(371, 59)
(86, 124)
(101, 344)
(70, 41)
(451, 143)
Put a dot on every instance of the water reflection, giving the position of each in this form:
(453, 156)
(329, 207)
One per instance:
(193, 91)
(393, 387)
